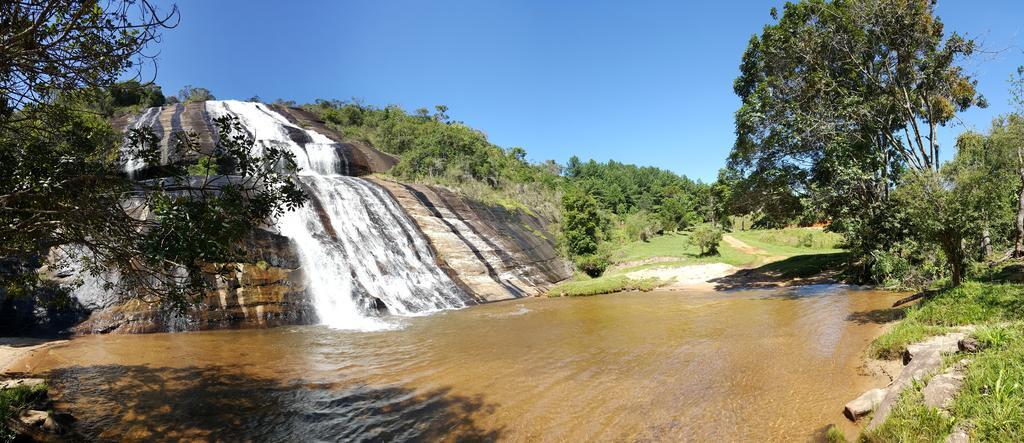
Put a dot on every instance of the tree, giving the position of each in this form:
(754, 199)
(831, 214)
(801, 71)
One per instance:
(63, 190)
(1017, 99)
(190, 93)
(839, 98)
(707, 238)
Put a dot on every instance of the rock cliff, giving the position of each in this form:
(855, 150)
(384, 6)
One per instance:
(492, 253)
(496, 253)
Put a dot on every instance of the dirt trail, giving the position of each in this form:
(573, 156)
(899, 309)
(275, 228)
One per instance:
(740, 245)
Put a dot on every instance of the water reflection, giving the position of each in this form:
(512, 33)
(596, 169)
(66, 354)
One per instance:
(731, 366)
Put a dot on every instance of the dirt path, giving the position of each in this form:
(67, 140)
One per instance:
(741, 246)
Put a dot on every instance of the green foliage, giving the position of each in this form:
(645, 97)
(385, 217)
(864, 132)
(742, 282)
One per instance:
(190, 93)
(603, 285)
(707, 238)
(640, 226)
(823, 135)
(13, 401)
(581, 223)
(591, 264)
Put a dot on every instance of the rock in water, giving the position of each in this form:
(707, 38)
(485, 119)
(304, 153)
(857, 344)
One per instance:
(864, 404)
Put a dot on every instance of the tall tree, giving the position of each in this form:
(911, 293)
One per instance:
(841, 97)
(62, 187)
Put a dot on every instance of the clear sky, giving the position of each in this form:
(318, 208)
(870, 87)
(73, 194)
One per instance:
(635, 81)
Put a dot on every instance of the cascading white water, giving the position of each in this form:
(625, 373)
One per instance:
(356, 244)
(148, 119)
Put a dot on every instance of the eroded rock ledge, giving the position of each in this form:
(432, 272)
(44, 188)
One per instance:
(496, 253)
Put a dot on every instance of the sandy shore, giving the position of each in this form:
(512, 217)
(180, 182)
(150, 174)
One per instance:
(687, 277)
(14, 349)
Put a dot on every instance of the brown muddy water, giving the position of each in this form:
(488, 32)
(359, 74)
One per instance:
(726, 366)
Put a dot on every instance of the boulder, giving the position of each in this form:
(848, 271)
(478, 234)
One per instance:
(970, 345)
(943, 344)
(942, 388)
(923, 363)
(958, 436)
(864, 404)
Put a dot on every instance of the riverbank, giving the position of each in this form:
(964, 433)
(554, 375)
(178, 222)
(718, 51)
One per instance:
(746, 259)
(15, 349)
(974, 387)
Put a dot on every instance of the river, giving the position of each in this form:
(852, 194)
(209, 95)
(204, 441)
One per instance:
(740, 365)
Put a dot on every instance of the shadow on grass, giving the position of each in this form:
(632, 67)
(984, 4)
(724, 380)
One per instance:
(809, 268)
(116, 402)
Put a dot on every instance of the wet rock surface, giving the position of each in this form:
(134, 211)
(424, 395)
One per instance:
(497, 254)
(864, 404)
(267, 292)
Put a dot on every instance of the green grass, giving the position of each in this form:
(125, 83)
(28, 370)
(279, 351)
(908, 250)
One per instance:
(991, 404)
(992, 399)
(911, 421)
(603, 285)
(805, 266)
(677, 245)
(12, 401)
(792, 241)
(834, 435)
(971, 303)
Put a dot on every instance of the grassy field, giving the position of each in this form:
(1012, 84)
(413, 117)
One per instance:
(991, 404)
(792, 241)
(777, 252)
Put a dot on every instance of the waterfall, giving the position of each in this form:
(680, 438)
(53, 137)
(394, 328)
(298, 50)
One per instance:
(150, 118)
(360, 252)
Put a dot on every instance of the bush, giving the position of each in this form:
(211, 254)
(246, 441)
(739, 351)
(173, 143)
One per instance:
(640, 226)
(707, 238)
(592, 265)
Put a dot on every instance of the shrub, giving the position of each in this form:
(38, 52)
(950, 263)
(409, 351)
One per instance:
(640, 226)
(593, 264)
(707, 239)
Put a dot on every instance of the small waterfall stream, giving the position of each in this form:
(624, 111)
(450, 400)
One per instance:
(360, 252)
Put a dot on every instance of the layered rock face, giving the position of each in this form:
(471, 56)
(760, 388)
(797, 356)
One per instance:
(267, 292)
(496, 253)
(489, 252)
(170, 119)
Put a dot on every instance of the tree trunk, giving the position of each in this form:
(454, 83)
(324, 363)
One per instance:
(986, 244)
(953, 247)
(1018, 242)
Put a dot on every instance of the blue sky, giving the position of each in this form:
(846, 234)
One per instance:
(639, 82)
